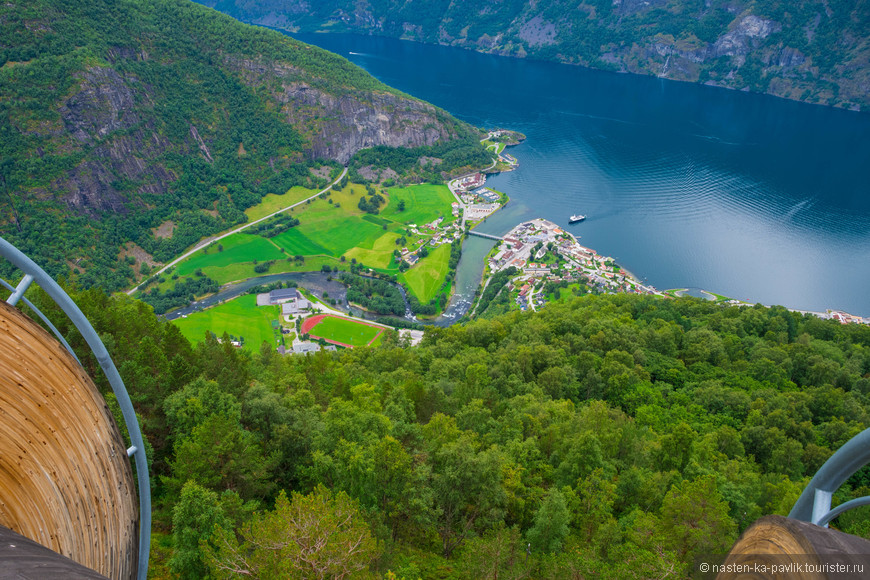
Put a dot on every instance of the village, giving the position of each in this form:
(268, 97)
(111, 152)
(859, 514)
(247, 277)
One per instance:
(542, 251)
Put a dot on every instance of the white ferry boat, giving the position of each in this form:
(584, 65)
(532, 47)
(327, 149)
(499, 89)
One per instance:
(576, 218)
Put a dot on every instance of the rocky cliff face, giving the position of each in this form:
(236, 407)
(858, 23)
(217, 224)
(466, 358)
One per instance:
(812, 50)
(336, 126)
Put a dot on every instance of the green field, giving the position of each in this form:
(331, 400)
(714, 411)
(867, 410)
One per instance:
(423, 203)
(426, 277)
(237, 248)
(297, 243)
(345, 331)
(272, 202)
(376, 220)
(244, 270)
(495, 146)
(330, 228)
(380, 255)
(238, 317)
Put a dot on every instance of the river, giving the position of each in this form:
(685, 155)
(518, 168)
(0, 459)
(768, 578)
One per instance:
(746, 195)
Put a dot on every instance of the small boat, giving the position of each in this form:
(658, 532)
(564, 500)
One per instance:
(576, 218)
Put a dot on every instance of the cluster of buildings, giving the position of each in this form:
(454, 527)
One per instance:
(481, 194)
(472, 181)
(305, 348)
(846, 318)
(439, 235)
(525, 245)
(474, 201)
(291, 300)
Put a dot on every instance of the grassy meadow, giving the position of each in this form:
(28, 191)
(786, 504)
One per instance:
(426, 277)
(273, 202)
(423, 203)
(238, 317)
(237, 248)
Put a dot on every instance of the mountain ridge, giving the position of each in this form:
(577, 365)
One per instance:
(812, 51)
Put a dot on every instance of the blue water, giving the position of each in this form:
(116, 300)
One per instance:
(746, 195)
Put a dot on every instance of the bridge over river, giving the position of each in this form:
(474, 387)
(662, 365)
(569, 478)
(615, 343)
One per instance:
(483, 235)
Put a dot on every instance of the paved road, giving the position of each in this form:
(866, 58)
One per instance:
(207, 241)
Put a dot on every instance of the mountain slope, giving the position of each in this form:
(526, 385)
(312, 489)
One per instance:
(811, 50)
(117, 118)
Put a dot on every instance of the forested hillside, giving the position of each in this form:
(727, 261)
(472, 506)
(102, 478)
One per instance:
(811, 50)
(617, 435)
(131, 128)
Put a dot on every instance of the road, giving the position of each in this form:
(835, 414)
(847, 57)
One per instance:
(208, 241)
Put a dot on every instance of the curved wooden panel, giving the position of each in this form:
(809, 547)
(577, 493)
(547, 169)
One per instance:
(784, 541)
(65, 480)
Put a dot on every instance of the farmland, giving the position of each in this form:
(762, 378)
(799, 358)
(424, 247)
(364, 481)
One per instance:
(426, 277)
(423, 203)
(331, 228)
(239, 317)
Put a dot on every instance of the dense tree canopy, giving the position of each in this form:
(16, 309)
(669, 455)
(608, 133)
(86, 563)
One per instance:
(611, 433)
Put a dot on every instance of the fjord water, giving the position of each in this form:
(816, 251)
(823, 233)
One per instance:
(746, 195)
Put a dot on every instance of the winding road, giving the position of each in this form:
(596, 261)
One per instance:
(208, 241)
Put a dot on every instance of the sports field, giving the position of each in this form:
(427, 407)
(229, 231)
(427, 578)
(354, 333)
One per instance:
(240, 317)
(428, 274)
(341, 331)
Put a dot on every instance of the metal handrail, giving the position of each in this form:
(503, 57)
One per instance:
(814, 504)
(44, 318)
(33, 273)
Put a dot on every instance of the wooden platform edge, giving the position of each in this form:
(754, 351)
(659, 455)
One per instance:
(780, 548)
(21, 557)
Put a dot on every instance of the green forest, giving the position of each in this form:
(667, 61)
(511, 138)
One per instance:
(613, 436)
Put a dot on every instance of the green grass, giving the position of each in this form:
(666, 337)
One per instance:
(380, 255)
(425, 278)
(297, 243)
(345, 331)
(272, 202)
(339, 233)
(565, 294)
(245, 270)
(237, 248)
(423, 203)
(239, 317)
(329, 229)
(376, 220)
(495, 146)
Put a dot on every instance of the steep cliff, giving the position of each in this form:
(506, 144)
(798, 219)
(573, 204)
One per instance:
(119, 116)
(811, 50)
